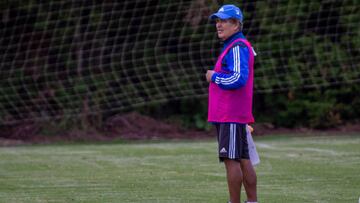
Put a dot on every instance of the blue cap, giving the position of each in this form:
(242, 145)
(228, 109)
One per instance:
(228, 11)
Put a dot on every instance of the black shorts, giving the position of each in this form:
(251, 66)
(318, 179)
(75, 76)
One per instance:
(232, 141)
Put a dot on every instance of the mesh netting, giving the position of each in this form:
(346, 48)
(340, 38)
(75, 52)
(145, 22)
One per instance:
(61, 58)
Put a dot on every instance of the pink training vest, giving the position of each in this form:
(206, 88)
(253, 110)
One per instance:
(232, 106)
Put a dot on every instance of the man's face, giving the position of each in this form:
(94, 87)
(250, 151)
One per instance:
(225, 28)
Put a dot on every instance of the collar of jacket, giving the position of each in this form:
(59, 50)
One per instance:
(232, 38)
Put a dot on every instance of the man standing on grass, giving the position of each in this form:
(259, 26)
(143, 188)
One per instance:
(230, 101)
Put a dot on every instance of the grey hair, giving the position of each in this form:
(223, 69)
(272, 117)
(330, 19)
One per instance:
(239, 23)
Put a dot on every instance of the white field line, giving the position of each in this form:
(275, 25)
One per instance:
(310, 149)
(265, 146)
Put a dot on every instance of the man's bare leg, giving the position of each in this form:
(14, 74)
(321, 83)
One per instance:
(249, 180)
(234, 179)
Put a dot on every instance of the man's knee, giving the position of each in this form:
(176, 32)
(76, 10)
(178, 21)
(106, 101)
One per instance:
(233, 168)
(249, 173)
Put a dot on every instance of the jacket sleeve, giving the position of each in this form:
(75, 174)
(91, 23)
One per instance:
(236, 71)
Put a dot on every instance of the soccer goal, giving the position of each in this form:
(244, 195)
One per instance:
(65, 57)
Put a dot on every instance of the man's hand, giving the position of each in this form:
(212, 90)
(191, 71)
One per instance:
(209, 74)
(251, 129)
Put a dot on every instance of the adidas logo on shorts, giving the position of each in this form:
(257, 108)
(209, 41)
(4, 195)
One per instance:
(223, 150)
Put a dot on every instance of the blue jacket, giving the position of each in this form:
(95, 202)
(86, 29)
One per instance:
(235, 67)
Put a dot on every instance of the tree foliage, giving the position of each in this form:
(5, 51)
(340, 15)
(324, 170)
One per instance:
(82, 68)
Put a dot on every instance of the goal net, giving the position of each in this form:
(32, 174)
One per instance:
(65, 58)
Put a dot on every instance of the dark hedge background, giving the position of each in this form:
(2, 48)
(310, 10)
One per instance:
(68, 61)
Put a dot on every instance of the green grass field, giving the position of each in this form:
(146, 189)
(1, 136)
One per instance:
(292, 169)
